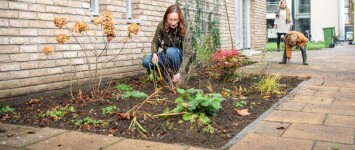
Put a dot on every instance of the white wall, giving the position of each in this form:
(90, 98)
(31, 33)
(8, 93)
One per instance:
(324, 13)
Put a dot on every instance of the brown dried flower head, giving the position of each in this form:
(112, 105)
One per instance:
(62, 38)
(133, 28)
(60, 22)
(47, 50)
(97, 21)
(80, 27)
(106, 16)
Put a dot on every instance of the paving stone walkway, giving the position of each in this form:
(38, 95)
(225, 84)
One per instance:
(319, 115)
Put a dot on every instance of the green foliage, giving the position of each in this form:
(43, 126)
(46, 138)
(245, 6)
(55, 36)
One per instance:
(240, 104)
(271, 46)
(196, 105)
(6, 109)
(208, 129)
(269, 85)
(201, 27)
(88, 121)
(58, 112)
(109, 110)
(133, 94)
(123, 87)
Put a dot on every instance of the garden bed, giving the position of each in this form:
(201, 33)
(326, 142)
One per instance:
(170, 129)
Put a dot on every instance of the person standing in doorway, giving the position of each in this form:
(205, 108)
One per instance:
(283, 21)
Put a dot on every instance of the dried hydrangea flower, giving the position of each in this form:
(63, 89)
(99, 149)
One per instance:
(106, 16)
(60, 22)
(97, 21)
(80, 27)
(62, 38)
(133, 28)
(47, 50)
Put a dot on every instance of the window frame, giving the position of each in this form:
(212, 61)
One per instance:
(94, 8)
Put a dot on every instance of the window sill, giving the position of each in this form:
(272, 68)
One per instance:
(138, 21)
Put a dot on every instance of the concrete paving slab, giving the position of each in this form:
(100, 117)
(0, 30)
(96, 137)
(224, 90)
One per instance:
(332, 146)
(196, 148)
(131, 144)
(334, 94)
(300, 117)
(271, 128)
(320, 88)
(75, 141)
(320, 133)
(23, 139)
(330, 109)
(312, 99)
(291, 106)
(13, 129)
(340, 121)
(306, 92)
(347, 90)
(344, 101)
(4, 147)
(263, 142)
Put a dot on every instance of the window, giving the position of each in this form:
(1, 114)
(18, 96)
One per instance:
(129, 16)
(94, 8)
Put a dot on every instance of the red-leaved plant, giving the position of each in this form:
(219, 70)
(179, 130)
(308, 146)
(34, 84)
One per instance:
(224, 64)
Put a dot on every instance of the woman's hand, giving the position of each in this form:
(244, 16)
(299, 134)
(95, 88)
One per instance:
(176, 77)
(155, 58)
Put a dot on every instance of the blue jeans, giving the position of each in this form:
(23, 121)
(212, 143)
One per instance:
(171, 58)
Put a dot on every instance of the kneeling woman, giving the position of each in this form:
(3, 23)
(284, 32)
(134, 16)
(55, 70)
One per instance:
(169, 36)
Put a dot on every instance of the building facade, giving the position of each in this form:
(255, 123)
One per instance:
(26, 26)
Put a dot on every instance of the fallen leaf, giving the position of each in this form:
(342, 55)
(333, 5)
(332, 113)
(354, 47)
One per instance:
(9, 135)
(126, 116)
(113, 130)
(280, 128)
(110, 134)
(266, 96)
(242, 112)
(33, 101)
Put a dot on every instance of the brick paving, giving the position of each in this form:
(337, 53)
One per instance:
(319, 115)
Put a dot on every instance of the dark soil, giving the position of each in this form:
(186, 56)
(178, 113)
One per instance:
(169, 130)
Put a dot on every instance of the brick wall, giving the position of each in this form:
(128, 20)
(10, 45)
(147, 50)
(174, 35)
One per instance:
(26, 26)
(258, 24)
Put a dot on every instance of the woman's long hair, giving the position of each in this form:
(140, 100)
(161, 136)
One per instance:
(181, 25)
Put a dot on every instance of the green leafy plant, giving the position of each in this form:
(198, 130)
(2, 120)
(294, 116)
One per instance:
(133, 94)
(123, 87)
(195, 106)
(7, 109)
(87, 122)
(269, 85)
(240, 104)
(109, 110)
(58, 112)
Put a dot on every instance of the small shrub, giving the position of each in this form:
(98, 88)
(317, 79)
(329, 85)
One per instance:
(6, 110)
(58, 112)
(240, 104)
(87, 122)
(123, 87)
(133, 94)
(269, 85)
(109, 110)
(224, 64)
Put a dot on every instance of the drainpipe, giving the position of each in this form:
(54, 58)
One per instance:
(341, 20)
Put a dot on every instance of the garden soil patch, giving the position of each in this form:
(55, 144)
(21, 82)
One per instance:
(226, 124)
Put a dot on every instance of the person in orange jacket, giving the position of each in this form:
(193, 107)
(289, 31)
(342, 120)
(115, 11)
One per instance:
(291, 39)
